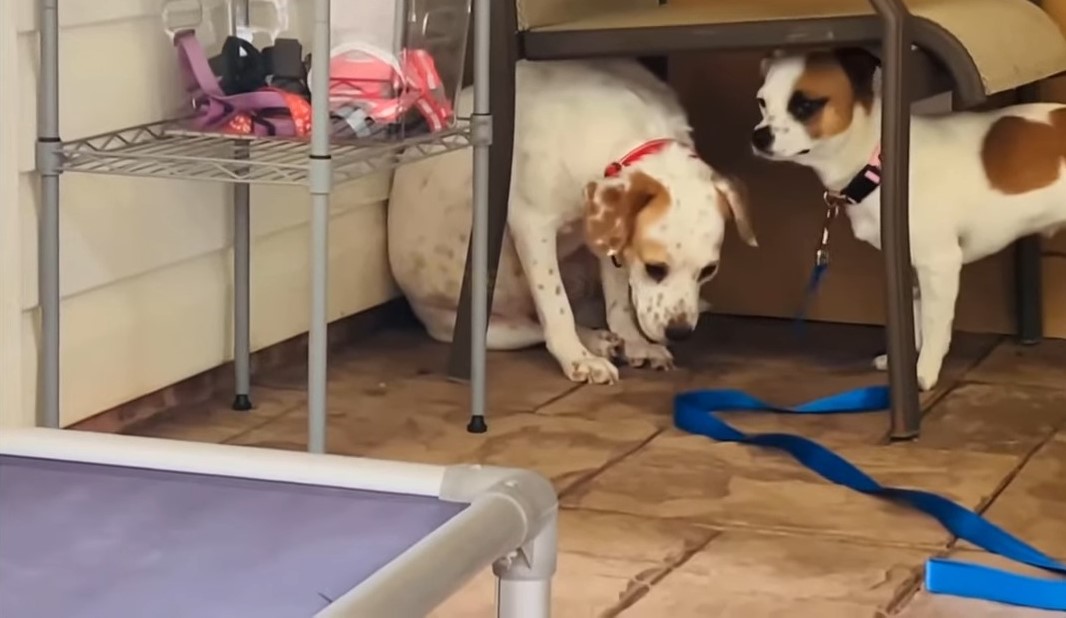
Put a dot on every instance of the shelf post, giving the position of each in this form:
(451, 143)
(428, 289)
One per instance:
(481, 139)
(48, 165)
(242, 263)
(319, 182)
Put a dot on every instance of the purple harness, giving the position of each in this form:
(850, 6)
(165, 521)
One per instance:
(268, 109)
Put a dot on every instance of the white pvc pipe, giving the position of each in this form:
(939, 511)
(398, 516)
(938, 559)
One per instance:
(432, 569)
(517, 598)
(224, 460)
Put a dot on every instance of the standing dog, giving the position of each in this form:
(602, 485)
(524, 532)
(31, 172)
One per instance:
(603, 166)
(978, 181)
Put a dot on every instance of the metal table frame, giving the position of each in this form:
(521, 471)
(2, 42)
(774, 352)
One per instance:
(158, 150)
(919, 58)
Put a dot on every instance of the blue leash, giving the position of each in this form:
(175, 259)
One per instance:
(799, 320)
(694, 412)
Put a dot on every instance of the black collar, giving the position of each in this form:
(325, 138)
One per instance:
(861, 186)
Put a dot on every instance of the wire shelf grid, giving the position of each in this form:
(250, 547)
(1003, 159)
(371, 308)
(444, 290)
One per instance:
(168, 149)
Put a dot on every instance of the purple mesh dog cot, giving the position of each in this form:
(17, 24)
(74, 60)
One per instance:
(100, 525)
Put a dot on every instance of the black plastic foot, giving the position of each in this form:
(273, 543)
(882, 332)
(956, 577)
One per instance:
(477, 425)
(242, 403)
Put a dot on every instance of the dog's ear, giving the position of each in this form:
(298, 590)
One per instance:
(764, 64)
(861, 66)
(611, 209)
(732, 197)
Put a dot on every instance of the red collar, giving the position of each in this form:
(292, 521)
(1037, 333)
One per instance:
(649, 147)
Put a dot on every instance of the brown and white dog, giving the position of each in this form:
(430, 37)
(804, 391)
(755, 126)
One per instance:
(978, 180)
(605, 187)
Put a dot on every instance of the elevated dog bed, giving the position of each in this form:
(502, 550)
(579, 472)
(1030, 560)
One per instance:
(974, 48)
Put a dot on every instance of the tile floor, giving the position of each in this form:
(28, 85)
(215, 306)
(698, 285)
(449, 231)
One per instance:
(656, 523)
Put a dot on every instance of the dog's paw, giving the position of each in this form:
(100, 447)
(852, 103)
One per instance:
(602, 343)
(928, 372)
(927, 383)
(928, 376)
(593, 370)
(641, 353)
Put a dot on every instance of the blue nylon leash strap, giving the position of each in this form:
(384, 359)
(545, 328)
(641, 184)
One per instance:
(694, 412)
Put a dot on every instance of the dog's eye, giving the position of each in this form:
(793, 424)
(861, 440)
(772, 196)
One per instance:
(657, 272)
(762, 102)
(708, 271)
(803, 108)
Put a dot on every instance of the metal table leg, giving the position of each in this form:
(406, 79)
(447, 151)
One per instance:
(895, 232)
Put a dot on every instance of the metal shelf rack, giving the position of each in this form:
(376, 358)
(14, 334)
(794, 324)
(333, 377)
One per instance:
(166, 150)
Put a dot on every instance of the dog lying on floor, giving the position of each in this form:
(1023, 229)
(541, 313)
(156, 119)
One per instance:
(978, 181)
(648, 230)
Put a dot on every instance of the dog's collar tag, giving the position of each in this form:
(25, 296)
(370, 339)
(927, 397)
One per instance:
(861, 186)
(821, 256)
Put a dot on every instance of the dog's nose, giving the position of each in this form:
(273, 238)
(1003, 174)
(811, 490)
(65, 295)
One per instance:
(678, 331)
(762, 138)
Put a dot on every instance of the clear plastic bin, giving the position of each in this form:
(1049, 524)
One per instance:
(396, 65)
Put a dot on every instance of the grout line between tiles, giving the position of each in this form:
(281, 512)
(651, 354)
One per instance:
(980, 382)
(266, 422)
(908, 593)
(554, 398)
(938, 397)
(586, 479)
(776, 531)
(1010, 476)
(905, 593)
(631, 597)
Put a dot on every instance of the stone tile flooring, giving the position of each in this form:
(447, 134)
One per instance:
(657, 523)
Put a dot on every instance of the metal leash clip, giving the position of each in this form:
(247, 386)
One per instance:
(821, 256)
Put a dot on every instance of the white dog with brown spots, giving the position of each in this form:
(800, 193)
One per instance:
(978, 180)
(606, 189)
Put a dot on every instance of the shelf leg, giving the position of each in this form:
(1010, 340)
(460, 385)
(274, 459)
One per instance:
(319, 181)
(242, 351)
(481, 133)
(503, 57)
(48, 164)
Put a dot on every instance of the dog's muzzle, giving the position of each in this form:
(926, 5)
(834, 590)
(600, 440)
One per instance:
(762, 139)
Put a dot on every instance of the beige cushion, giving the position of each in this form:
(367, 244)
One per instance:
(1012, 42)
